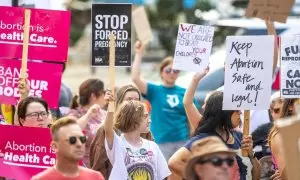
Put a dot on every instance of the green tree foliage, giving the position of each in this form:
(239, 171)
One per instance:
(164, 19)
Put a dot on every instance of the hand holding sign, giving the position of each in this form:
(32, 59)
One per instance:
(23, 87)
(198, 76)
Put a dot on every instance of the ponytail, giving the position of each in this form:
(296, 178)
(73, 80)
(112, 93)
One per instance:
(74, 103)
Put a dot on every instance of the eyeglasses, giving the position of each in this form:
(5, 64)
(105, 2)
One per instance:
(73, 139)
(169, 70)
(216, 161)
(36, 115)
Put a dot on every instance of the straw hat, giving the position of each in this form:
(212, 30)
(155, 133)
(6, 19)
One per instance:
(206, 146)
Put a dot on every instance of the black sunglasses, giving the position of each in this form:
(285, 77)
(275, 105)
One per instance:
(73, 139)
(216, 161)
(169, 70)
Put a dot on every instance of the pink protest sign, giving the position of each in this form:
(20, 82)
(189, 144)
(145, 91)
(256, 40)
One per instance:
(22, 154)
(49, 33)
(44, 80)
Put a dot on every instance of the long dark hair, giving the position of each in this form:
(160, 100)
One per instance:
(214, 117)
(86, 89)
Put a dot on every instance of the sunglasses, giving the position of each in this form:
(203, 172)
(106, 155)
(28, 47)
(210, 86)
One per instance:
(276, 110)
(218, 162)
(73, 139)
(169, 70)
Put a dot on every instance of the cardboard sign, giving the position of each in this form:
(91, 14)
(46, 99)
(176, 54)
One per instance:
(277, 10)
(44, 80)
(290, 66)
(248, 72)
(290, 135)
(141, 24)
(49, 34)
(22, 153)
(107, 19)
(193, 47)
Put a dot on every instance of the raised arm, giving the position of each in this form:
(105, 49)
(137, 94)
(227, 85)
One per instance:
(191, 110)
(93, 111)
(178, 161)
(136, 77)
(109, 123)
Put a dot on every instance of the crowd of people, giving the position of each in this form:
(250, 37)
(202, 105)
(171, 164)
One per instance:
(171, 140)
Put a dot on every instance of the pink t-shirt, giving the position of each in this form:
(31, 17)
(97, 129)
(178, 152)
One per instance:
(90, 130)
(84, 173)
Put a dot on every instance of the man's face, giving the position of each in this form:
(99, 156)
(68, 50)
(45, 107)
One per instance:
(211, 171)
(169, 75)
(70, 143)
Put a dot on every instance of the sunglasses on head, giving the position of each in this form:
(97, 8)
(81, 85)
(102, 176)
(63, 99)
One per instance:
(216, 161)
(73, 139)
(169, 70)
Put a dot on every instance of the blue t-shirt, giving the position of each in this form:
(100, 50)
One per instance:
(169, 122)
(244, 163)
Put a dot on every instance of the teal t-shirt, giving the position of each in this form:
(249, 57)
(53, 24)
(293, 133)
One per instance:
(169, 122)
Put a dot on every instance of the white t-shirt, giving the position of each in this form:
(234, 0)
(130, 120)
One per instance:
(129, 163)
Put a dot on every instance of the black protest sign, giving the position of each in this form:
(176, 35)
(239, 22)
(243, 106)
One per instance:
(290, 66)
(248, 72)
(107, 19)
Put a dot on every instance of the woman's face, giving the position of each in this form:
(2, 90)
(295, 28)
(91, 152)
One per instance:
(36, 116)
(211, 171)
(131, 95)
(98, 99)
(169, 75)
(236, 119)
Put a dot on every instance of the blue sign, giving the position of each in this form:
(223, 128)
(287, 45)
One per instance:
(136, 2)
(189, 4)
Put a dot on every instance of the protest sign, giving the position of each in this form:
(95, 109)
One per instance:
(248, 72)
(49, 33)
(290, 66)
(21, 156)
(193, 47)
(141, 24)
(277, 10)
(44, 80)
(107, 19)
(290, 135)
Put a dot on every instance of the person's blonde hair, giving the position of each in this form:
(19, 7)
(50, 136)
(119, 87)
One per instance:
(165, 62)
(62, 122)
(129, 116)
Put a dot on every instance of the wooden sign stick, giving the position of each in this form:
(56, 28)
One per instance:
(25, 46)
(112, 52)
(272, 31)
(246, 126)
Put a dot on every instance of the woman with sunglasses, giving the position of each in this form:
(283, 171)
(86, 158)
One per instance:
(169, 126)
(91, 99)
(220, 123)
(275, 141)
(210, 159)
(98, 157)
(132, 156)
